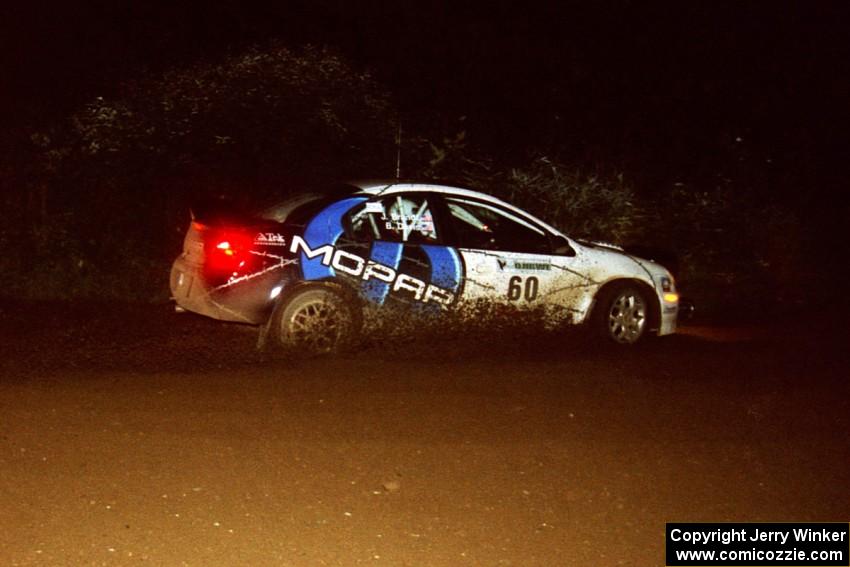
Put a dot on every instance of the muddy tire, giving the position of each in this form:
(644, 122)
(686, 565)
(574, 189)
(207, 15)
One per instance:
(313, 322)
(621, 314)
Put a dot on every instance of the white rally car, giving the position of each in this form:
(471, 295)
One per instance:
(306, 269)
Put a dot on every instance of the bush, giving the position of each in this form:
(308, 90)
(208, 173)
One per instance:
(595, 206)
(737, 253)
(731, 251)
(108, 191)
(272, 108)
(583, 206)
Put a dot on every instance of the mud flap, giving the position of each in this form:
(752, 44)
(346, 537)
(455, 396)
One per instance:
(263, 334)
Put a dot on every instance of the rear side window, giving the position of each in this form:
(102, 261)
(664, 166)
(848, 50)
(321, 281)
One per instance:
(300, 208)
(296, 209)
(485, 227)
(395, 218)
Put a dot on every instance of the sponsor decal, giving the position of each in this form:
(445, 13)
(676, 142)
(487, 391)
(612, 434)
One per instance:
(532, 266)
(375, 207)
(324, 229)
(269, 239)
(321, 259)
(386, 254)
(446, 268)
(335, 260)
(528, 265)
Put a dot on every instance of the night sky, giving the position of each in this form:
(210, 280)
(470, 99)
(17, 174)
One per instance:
(657, 90)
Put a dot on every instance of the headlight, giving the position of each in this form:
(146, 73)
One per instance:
(668, 289)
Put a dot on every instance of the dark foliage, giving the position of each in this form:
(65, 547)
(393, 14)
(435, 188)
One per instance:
(97, 204)
(105, 194)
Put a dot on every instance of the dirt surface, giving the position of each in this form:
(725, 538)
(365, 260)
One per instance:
(132, 435)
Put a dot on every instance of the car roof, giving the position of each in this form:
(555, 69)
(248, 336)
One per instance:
(380, 187)
(391, 187)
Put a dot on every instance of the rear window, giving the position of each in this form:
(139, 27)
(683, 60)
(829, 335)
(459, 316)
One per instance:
(299, 208)
(281, 211)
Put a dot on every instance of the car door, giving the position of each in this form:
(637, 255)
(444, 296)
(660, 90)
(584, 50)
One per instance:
(508, 257)
(408, 261)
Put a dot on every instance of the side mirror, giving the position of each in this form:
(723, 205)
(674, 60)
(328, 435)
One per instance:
(562, 247)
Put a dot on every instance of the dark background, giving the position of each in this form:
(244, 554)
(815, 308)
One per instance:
(647, 84)
(695, 93)
(509, 449)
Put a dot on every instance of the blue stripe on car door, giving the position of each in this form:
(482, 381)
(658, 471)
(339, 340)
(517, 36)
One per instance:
(325, 228)
(445, 266)
(388, 254)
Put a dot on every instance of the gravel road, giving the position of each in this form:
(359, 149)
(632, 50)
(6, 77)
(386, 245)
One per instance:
(132, 435)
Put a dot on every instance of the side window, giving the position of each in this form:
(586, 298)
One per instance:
(396, 218)
(483, 226)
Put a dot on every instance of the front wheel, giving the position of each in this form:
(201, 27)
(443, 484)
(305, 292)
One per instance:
(621, 314)
(314, 322)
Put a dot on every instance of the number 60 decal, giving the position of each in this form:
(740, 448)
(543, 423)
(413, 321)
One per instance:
(516, 290)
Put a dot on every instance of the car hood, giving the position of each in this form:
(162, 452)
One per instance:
(607, 261)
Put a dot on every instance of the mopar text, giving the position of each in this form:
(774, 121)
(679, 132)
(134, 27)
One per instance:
(356, 266)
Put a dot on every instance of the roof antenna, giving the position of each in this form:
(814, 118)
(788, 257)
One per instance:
(398, 152)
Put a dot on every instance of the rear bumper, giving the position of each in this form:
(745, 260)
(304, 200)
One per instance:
(191, 291)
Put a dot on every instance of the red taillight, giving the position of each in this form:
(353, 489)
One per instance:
(228, 250)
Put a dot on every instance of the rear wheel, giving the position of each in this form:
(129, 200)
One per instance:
(622, 314)
(314, 322)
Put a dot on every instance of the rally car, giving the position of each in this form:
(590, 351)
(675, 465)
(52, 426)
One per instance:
(307, 269)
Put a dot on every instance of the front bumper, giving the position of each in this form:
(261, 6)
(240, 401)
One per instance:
(672, 314)
(669, 316)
